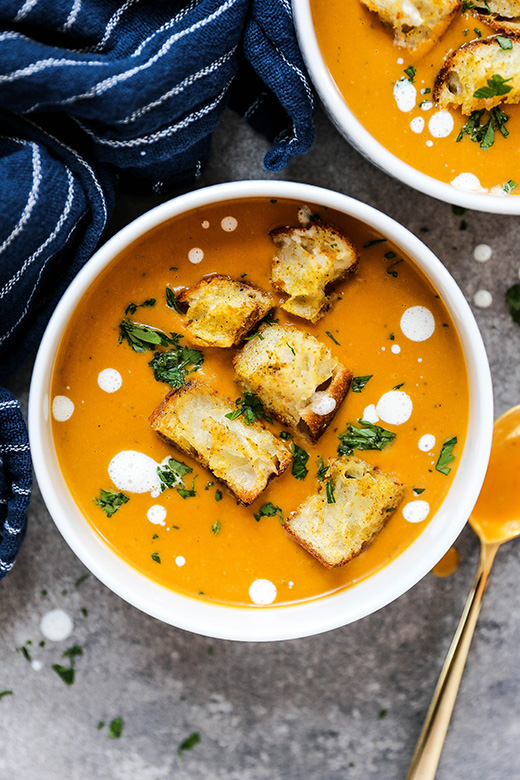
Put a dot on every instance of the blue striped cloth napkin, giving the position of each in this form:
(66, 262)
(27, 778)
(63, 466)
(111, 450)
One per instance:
(98, 91)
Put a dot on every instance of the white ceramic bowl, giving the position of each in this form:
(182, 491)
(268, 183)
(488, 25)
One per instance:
(352, 129)
(276, 622)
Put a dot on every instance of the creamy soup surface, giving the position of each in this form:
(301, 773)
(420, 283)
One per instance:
(207, 545)
(389, 89)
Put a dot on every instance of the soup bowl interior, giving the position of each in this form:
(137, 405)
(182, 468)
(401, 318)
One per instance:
(266, 623)
(361, 139)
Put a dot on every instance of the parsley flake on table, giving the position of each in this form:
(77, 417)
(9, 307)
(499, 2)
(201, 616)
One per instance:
(299, 463)
(370, 437)
(251, 408)
(67, 673)
(513, 301)
(110, 502)
(116, 728)
(6, 693)
(446, 457)
(189, 743)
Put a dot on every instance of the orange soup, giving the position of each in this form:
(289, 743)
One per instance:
(389, 89)
(200, 540)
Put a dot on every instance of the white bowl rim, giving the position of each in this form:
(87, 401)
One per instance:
(274, 622)
(352, 129)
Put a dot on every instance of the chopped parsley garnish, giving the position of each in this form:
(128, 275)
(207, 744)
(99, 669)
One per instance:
(329, 489)
(513, 301)
(359, 382)
(215, 528)
(171, 300)
(291, 348)
(142, 337)
(218, 495)
(268, 510)
(497, 85)
(370, 437)
(382, 714)
(390, 255)
(132, 307)
(410, 72)
(446, 457)
(189, 743)
(390, 268)
(322, 470)
(477, 32)
(392, 336)
(23, 650)
(100, 725)
(156, 557)
(67, 672)
(374, 242)
(116, 728)
(299, 463)
(466, 6)
(504, 43)
(285, 435)
(5, 693)
(484, 134)
(82, 579)
(185, 492)
(251, 407)
(418, 491)
(398, 387)
(173, 366)
(155, 536)
(509, 186)
(172, 472)
(110, 502)
(329, 334)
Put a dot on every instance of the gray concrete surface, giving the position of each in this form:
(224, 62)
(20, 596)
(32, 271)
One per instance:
(347, 705)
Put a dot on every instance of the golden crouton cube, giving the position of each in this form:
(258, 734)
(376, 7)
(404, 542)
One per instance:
(243, 457)
(350, 507)
(295, 376)
(309, 261)
(415, 22)
(222, 310)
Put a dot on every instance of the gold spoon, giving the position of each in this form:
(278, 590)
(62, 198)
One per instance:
(495, 519)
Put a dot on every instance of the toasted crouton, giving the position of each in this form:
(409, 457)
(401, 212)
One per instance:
(295, 376)
(309, 261)
(350, 507)
(222, 310)
(415, 22)
(243, 457)
(468, 69)
(501, 15)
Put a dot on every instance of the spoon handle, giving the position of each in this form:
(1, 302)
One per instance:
(431, 740)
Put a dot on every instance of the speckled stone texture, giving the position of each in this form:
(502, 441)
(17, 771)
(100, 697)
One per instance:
(347, 705)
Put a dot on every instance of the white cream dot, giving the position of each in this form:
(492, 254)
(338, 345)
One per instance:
(134, 472)
(395, 407)
(400, 61)
(417, 124)
(417, 323)
(290, 584)
(229, 224)
(426, 105)
(482, 253)
(262, 592)
(205, 224)
(426, 442)
(62, 408)
(467, 181)
(416, 511)
(195, 255)
(156, 514)
(36, 665)
(322, 403)
(396, 349)
(483, 299)
(405, 95)
(441, 124)
(383, 349)
(370, 414)
(429, 143)
(56, 625)
(180, 561)
(109, 380)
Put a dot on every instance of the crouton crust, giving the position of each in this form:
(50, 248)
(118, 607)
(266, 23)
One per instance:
(467, 69)
(295, 376)
(309, 262)
(222, 310)
(243, 457)
(416, 22)
(364, 499)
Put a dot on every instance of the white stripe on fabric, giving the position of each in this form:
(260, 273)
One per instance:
(33, 194)
(21, 491)
(50, 238)
(166, 26)
(103, 86)
(14, 447)
(24, 10)
(51, 62)
(167, 131)
(286, 4)
(9, 405)
(35, 287)
(4, 500)
(74, 11)
(187, 82)
(11, 529)
(6, 566)
(300, 75)
(254, 105)
(112, 24)
(85, 165)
